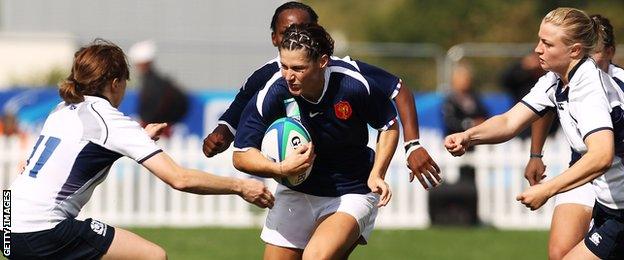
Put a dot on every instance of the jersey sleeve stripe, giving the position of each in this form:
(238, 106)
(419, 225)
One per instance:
(228, 125)
(539, 113)
(150, 155)
(262, 94)
(104, 122)
(353, 74)
(397, 88)
(596, 130)
(244, 149)
(388, 125)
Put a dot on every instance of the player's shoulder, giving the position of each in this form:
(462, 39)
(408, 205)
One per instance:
(268, 69)
(616, 71)
(346, 62)
(349, 78)
(585, 72)
(273, 94)
(101, 106)
(547, 82)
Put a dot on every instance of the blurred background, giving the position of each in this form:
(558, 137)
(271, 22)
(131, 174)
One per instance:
(206, 49)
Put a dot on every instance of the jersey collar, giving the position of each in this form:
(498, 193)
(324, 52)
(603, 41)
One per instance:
(327, 73)
(575, 68)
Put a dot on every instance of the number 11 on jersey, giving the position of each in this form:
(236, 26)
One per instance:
(49, 147)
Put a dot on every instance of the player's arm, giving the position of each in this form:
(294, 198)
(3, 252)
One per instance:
(419, 161)
(597, 160)
(253, 162)
(198, 182)
(535, 168)
(495, 130)
(386, 146)
(223, 135)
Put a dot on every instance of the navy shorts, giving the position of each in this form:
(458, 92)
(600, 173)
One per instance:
(70, 239)
(606, 237)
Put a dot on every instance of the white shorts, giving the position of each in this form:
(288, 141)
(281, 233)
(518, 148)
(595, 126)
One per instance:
(294, 216)
(584, 195)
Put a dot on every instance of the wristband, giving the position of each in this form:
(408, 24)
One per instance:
(536, 155)
(411, 146)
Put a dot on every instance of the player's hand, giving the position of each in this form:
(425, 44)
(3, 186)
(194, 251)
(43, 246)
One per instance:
(217, 141)
(535, 196)
(379, 186)
(21, 166)
(254, 191)
(154, 130)
(421, 164)
(456, 144)
(534, 171)
(299, 161)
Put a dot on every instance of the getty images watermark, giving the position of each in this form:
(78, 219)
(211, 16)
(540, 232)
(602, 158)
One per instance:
(6, 222)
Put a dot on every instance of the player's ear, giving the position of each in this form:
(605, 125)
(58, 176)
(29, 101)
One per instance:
(274, 39)
(576, 50)
(324, 61)
(115, 83)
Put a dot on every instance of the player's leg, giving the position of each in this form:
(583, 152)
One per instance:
(570, 223)
(345, 221)
(580, 251)
(288, 225)
(350, 250)
(333, 237)
(127, 245)
(281, 253)
(605, 240)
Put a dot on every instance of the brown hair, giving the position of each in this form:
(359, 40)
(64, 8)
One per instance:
(577, 27)
(311, 37)
(95, 65)
(605, 25)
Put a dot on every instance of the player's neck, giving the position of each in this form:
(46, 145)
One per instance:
(315, 94)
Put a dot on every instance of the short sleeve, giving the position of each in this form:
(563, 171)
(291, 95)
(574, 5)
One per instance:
(254, 83)
(264, 108)
(539, 98)
(379, 110)
(386, 82)
(124, 135)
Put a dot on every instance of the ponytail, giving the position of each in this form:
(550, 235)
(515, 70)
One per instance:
(601, 35)
(68, 90)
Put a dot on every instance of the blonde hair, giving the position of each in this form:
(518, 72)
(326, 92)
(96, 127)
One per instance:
(578, 27)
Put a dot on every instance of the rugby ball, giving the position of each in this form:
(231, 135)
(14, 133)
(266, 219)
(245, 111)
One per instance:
(280, 140)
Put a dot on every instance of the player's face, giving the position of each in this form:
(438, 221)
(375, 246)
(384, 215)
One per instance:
(554, 54)
(285, 19)
(603, 58)
(303, 76)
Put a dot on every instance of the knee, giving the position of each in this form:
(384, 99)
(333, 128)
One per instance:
(315, 253)
(557, 252)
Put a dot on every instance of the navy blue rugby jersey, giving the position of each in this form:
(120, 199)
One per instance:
(337, 123)
(266, 75)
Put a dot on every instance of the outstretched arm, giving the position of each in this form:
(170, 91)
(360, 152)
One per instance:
(198, 182)
(418, 159)
(495, 130)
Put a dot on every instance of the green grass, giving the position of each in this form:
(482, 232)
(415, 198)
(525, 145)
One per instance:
(433, 243)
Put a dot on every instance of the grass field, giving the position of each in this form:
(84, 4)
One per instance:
(433, 243)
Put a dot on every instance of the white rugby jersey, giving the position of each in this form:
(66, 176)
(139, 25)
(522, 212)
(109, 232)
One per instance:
(76, 149)
(585, 106)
